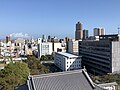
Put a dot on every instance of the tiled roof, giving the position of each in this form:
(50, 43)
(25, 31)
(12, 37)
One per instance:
(70, 80)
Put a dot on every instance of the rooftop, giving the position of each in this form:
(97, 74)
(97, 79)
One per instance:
(68, 54)
(68, 80)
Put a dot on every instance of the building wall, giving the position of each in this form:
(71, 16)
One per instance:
(73, 47)
(99, 31)
(85, 34)
(115, 56)
(59, 47)
(96, 56)
(70, 46)
(78, 32)
(67, 63)
(45, 49)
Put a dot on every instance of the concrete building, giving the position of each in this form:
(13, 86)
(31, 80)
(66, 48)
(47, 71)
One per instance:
(70, 80)
(85, 34)
(44, 38)
(78, 32)
(66, 61)
(19, 45)
(7, 39)
(44, 48)
(59, 47)
(101, 57)
(99, 31)
(49, 38)
(73, 47)
(39, 40)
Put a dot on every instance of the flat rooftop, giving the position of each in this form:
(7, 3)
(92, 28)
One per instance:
(68, 54)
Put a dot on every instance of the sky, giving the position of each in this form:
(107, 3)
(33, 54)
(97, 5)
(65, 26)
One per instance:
(57, 17)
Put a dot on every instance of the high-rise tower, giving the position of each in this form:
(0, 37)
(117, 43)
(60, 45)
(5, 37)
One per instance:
(99, 31)
(78, 32)
(7, 39)
(85, 34)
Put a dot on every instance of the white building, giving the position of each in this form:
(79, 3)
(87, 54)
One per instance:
(73, 47)
(44, 48)
(59, 47)
(66, 61)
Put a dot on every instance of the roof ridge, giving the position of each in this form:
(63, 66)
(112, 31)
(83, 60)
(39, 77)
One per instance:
(88, 78)
(56, 74)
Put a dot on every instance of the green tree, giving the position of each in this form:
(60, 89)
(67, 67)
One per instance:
(43, 58)
(12, 75)
(19, 69)
(4, 85)
(35, 66)
(46, 58)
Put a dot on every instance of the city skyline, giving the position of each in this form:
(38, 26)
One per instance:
(57, 18)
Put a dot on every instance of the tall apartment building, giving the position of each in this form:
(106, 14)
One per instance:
(99, 31)
(78, 32)
(103, 56)
(85, 34)
(66, 61)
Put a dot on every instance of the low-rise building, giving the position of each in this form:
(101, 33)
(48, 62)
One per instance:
(70, 80)
(67, 61)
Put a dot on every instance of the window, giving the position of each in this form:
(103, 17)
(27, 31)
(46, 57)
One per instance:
(67, 65)
(67, 62)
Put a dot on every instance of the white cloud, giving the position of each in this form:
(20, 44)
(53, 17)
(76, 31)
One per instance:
(19, 35)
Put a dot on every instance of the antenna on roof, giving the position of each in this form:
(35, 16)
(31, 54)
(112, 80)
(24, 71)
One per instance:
(118, 29)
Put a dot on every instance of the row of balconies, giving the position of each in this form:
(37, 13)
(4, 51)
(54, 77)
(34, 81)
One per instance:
(96, 52)
(99, 63)
(96, 55)
(97, 68)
